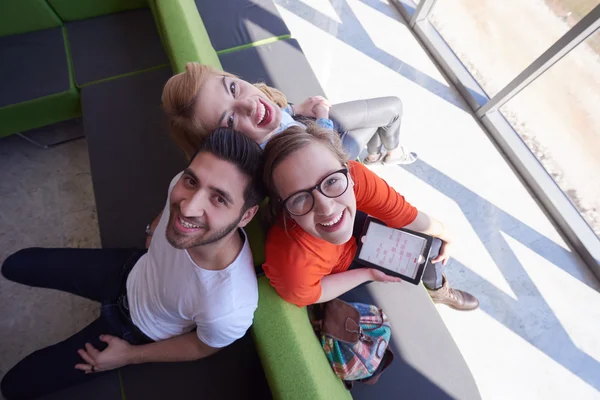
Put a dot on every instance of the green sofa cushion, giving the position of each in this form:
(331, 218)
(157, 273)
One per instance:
(20, 16)
(183, 33)
(114, 45)
(233, 373)
(72, 10)
(32, 98)
(39, 112)
(235, 23)
(126, 129)
(256, 232)
(21, 78)
(291, 355)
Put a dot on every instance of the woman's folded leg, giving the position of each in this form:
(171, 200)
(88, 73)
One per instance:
(372, 123)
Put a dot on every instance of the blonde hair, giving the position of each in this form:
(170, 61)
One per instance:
(179, 98)
(287, 143)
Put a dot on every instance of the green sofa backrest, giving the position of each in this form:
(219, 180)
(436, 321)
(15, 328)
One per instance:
(291, 355)
(20, 16)
(183, 33)
(72, 10)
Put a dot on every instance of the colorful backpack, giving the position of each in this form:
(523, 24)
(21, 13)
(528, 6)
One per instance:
(355, 338)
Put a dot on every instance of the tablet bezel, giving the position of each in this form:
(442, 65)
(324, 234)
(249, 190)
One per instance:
(425, 254)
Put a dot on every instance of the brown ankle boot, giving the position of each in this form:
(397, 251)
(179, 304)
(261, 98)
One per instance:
(453, 298)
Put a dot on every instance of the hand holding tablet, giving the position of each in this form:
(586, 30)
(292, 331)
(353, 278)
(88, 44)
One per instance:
(397, 252)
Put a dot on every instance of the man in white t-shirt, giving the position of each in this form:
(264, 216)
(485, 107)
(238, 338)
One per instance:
(193, 292)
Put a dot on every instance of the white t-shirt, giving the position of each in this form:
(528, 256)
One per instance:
(169, 295)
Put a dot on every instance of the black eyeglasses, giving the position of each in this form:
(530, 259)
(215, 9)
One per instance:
(332, 186)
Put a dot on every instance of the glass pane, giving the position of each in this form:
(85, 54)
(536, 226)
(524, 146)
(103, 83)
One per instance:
(558, 117)
(497, 39)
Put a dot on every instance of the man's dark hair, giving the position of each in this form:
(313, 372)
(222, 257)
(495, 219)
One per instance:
(236, 148)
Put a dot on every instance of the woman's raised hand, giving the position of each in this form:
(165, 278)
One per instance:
(380, 276)
(314, 107)
(444, 254)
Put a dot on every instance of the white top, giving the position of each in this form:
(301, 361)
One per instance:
(286, 121)
(169, 295)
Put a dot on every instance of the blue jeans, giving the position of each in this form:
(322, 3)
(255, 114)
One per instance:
(97, 274)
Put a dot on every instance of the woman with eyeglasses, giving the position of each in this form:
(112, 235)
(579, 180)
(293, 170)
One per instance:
(318, 203)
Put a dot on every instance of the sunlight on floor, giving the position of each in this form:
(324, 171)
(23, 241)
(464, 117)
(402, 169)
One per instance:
(535, 335)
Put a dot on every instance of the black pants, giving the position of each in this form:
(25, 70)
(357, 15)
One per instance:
(371, 123)
(432, 276)
(97, 274)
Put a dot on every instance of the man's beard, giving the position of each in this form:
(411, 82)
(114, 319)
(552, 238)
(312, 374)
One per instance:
(184, 242)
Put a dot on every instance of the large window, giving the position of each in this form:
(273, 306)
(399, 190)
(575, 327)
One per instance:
(496, 40)
(530, 70)
(558, 117)
(558, 114)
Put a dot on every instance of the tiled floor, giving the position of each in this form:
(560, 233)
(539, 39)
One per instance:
(536, 334)
(46, 200)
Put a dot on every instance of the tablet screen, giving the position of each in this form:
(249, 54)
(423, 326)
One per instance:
(392, 249)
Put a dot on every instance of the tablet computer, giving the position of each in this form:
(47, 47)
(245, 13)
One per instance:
(397, 252)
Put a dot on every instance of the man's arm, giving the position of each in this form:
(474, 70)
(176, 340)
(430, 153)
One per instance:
(186, 347)
(119, 353)
(153, 226)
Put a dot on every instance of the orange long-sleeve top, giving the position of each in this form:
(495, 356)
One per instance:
(295, 262)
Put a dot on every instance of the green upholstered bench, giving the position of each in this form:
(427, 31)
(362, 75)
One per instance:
(183, 33)
(291, 355)
(35, 74)
(78, 43)
(235, 24)
(116, 45)
(73, 10)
